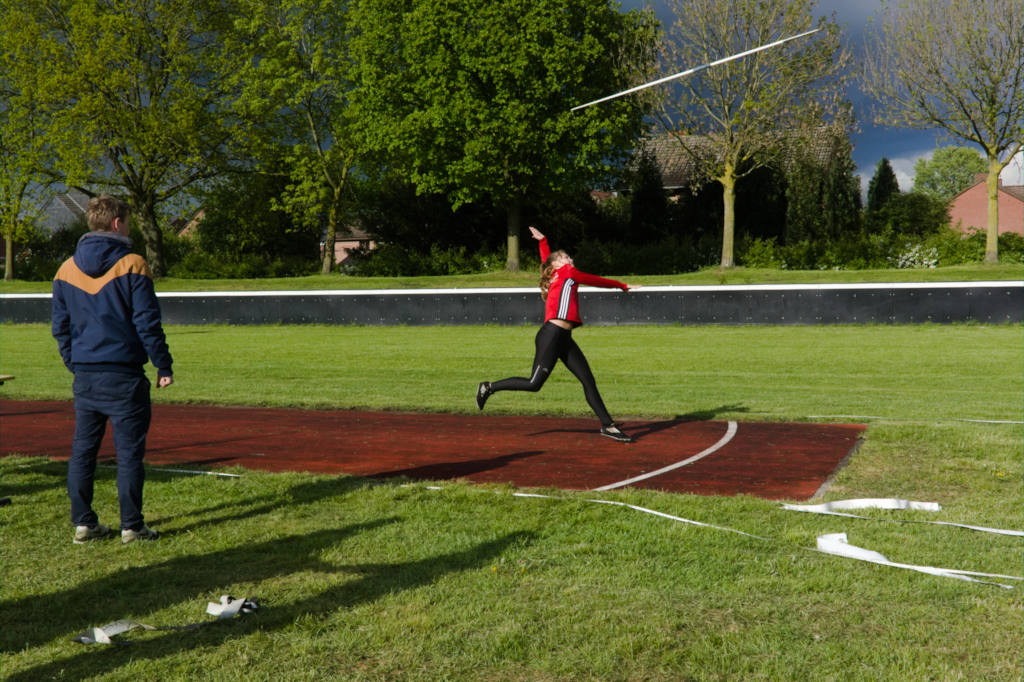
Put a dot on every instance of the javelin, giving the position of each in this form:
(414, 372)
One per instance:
(693, 70)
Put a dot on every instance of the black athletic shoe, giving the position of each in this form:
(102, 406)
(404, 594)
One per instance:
(483, 392)
(613, 432)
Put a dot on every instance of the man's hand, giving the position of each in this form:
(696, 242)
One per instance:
(161, 382)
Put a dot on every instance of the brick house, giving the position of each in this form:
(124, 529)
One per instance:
(346, 241)
(969, 209)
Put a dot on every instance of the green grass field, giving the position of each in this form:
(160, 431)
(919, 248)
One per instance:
(365, 580)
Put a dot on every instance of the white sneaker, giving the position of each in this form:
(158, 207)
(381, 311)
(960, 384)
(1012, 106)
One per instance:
(144, 533)
(84, 534)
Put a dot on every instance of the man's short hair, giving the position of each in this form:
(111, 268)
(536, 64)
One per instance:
(102, 210)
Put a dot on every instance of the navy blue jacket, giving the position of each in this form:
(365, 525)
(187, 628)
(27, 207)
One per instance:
(105, 312)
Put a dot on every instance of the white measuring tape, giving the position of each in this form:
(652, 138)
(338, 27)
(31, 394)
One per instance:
(835, 544)
(831, 508)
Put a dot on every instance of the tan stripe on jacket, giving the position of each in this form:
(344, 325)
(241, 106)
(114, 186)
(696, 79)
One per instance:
(73, 275)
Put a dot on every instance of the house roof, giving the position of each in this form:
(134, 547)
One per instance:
(62, 209)
(678, 155)
(675, 156)
(1015, 191)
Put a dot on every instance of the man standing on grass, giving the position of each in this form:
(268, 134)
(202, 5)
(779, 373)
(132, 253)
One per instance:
(106, 320)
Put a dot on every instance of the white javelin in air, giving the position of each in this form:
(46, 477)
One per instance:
(723, 60)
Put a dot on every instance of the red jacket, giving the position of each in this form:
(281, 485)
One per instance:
(563, 291)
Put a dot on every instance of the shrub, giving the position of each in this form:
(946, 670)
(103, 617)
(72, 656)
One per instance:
(916, 256)
(196, 264)
(1011, 248)
(38, 257)
(759, 253)
(396, 260)
(666, 256)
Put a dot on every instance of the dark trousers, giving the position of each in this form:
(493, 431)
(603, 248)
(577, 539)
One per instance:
(124, 400)
(553, 344)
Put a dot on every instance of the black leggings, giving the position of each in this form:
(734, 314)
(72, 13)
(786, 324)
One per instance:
(553, 344)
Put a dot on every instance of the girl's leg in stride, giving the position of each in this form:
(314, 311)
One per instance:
(549, 342)
(574, 359)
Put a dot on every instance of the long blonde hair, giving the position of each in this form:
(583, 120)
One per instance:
(547, 269)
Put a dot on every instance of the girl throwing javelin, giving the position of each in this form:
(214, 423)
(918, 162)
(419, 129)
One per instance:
(559, 284)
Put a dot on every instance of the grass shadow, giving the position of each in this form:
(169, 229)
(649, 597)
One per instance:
(304, 493)
(38, 619)
(253, 563)
(44, 467)
(460, 469)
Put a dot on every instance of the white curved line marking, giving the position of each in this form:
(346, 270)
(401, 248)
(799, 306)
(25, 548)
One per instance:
(729, 434)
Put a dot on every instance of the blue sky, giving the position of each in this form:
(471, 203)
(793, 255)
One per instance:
(903, 147)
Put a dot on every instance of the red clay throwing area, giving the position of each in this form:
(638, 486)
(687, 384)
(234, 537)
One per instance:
(769, 460)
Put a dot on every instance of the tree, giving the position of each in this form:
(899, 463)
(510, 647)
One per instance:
(24, 153)
(956, 65)
(134, 95)
(473, 98)
(883, 186)
(950, 171)
(747, 112)
(823, 194)
(913, 214)
(237, 222)
(296, 98)
(648, 204)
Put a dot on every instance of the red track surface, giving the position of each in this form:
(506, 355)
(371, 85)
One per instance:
(769, 460)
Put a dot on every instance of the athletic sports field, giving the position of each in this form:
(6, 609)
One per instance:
(484, 549)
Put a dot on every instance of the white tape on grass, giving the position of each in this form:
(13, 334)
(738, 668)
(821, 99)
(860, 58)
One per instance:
(194, 472)
(833, 543)
(831, 508)
(655, 513)
(838, 545)
(730, 433)
(864, 503)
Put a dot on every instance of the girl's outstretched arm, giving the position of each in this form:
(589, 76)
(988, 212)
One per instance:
(545, 250)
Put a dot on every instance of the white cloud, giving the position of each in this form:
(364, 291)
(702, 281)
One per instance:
(1013, 174)
(902, 166)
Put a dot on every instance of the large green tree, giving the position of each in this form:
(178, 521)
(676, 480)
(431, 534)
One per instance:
(822, 191)
(741, 116)
(24, 154)
(948, 172)
(883, 186)
(473, 98)
(134, 92)
(296, 96)
(955, 65)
